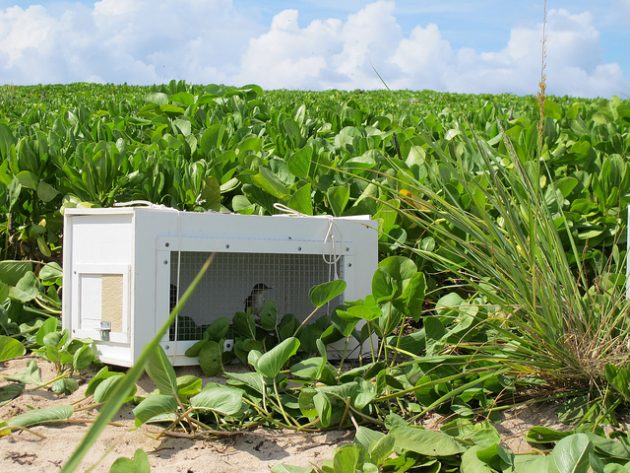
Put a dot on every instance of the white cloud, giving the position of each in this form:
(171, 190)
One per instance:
(138, 41)
(335, 53)
(573, 61)
(142, 41)
(324, 54)
(423, 58)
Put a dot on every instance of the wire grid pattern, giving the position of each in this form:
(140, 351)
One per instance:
(231, 278)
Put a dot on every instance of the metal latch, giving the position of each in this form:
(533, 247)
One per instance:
(104, 329)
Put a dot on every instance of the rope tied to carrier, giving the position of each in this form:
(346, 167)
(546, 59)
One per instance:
(141, 203)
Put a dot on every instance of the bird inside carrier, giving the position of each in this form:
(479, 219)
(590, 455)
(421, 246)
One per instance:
(130, 266)
(244, 282)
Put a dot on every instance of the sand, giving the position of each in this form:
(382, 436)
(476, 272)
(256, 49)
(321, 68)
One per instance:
(255, 451)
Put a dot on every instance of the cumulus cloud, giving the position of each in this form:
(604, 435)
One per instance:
(573, 60)
(340, 54)
(325, 53)
(141, 41)
(138, 41)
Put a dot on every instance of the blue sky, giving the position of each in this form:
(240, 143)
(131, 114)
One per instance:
(460, 46)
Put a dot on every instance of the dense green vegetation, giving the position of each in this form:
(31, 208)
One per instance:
(243, 150)
(503, 254)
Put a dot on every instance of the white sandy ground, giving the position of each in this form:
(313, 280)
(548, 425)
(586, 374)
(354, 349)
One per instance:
(256, 452)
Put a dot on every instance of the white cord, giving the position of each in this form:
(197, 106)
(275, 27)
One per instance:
(288, 210)
(143, 203)
(332, 258)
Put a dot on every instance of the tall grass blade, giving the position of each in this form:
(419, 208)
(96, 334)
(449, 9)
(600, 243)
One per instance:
(117, 399)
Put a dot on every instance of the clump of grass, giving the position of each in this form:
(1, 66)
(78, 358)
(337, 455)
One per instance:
(506, 247)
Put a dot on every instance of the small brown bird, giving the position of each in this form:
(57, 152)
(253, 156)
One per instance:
(254, 302)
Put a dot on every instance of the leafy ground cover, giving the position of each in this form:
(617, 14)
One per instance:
(501, 279)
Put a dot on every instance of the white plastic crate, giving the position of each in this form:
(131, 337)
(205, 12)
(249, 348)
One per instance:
(125, 267)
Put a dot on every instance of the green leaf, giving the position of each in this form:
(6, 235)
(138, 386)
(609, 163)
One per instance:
(195, 348)
(158, 98)
(268, 182)
(154, 405)
(269, 316)
(308, 369)
(249, 380)
(425, 442)
(382, 449)
(447, 303)
(566, 185)
(65, 386)
(211, 193)
(138, 464)
(7, 141)
(384, 287)
(29, 375)
(49, 326)
(619, 378)
(242, 205)
(412, 298)
(570, 455)
(399, 267)
(542, 435)
(53, 340)
(218, 329)
(244, 325)
(367, 438)
(306, 403)
(10, 391)
(183, 126)
(161, 371)
(10, 348)
(472, 464)
(346, 459)
(27, 179)
(102, 374)
(270, 363)
(41, 416)
(397, 279)
(617, 449)
(223, 400)
(322, 294)
(367, 392)
(210, 358)
(299, 162)
(323, 407)
(301, 200)
(338, 197)
(291, 469)
(51, 273)
(46, 192)
(363, 309)
(188, 385)
(26, 288)
(83, 358)
(610, 468)
(12, 271)
(107, 386)
(531, 464)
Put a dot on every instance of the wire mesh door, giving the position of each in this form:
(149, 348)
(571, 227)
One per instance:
(243, 281)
